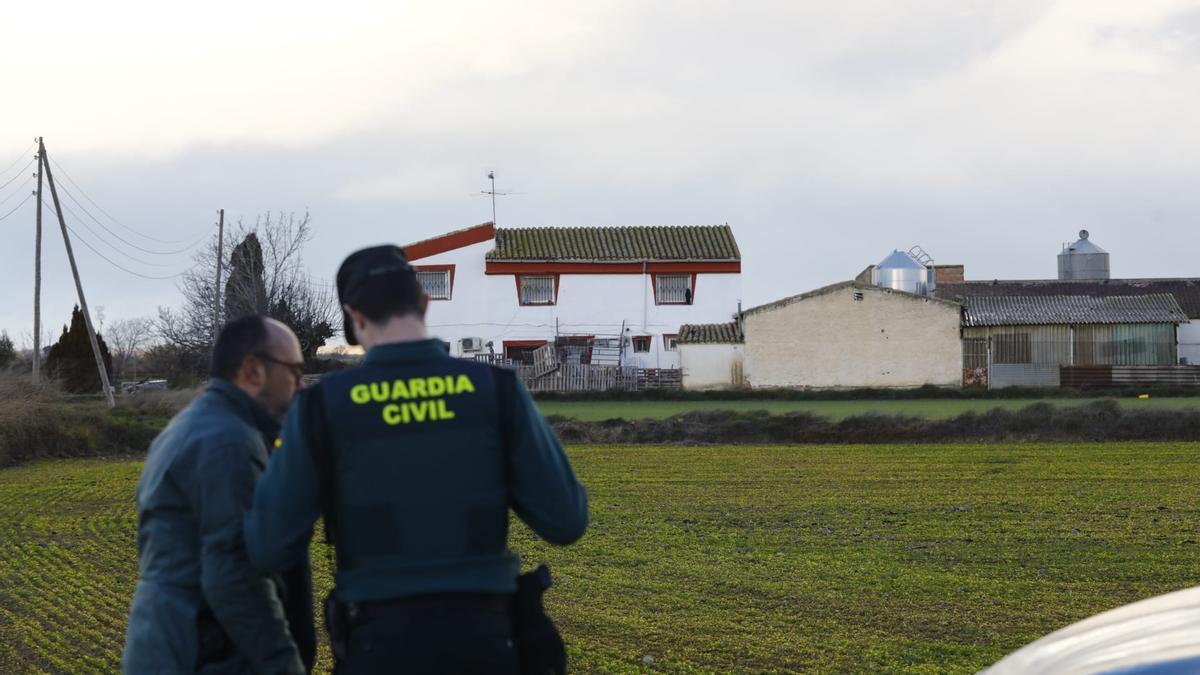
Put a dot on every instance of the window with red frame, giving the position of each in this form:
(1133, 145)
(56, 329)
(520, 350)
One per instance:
(435, 282)
(670, 342)
(641, 344)
(537, 289)
(673, 289)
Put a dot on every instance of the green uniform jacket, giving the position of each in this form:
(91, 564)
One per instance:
(194, 490)
(429, 454)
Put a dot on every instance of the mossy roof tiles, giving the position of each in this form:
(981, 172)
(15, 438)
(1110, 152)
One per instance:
(616, 244)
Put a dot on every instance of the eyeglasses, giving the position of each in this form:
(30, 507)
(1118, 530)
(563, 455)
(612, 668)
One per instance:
(297, 369)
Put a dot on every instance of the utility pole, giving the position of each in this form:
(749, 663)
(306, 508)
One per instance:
(87, 317)
(37, 278)
(220, 262)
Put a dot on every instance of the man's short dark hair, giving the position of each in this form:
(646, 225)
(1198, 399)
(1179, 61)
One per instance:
(389, 295)
(238, 339)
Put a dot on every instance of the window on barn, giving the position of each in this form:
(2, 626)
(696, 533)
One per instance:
(1011, 348)
(436, 283)
(641, 344)
(537, 289)
(974, 353)
(670, 342)
(673, 289)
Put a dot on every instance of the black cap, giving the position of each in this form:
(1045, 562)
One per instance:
(363, 266)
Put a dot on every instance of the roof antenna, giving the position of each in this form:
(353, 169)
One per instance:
(492, 192)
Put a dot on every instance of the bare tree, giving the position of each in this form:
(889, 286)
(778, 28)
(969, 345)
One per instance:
(266, 274)
(126, 340)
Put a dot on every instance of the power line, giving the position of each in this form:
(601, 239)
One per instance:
(18, 159)
(109, 260)
(99, 236)
(16, 192)
(126, 241)
(110, 217)
(16, 175)
(14, 209)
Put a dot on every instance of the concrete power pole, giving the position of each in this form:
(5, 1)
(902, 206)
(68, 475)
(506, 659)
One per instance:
(87, 317)
(37, 278)
(220, 262)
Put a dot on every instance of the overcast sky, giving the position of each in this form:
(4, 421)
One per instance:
(826, 134)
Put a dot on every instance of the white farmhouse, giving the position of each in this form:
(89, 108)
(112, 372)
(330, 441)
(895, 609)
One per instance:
(608, 295)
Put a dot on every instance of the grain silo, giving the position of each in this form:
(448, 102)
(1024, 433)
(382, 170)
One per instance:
(1082, 260)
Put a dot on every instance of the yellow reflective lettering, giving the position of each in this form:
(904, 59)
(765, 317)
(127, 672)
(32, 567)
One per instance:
(360, 394)
(379, 391)
(443, 412)
(436, 386)
(464, 385)
(420, 411)
(399, 390)
(391, 414)
(416, 388)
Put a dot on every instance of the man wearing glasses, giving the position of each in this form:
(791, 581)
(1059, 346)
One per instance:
(199, 605)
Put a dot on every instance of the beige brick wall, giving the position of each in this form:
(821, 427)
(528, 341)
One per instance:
(887, 339)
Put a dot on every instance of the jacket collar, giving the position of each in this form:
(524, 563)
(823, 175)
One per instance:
(406, 352)
(250, 411)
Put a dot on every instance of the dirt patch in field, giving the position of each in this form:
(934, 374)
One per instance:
(1097, 421)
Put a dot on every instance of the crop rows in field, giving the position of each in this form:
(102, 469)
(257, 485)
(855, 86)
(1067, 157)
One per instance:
(723, 559)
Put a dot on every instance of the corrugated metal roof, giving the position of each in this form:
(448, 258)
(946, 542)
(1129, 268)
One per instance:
(1070, 309)
(691, 242)
(710, 333)
(1185, 291)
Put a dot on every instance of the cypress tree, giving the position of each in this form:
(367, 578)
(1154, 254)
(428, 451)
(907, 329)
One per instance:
(71, 360)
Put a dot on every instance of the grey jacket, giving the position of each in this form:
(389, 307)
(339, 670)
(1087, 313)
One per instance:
(195, 487)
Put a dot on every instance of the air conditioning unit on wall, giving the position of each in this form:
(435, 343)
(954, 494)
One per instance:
(471, 345)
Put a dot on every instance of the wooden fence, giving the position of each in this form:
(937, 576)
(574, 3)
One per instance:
(570, 377)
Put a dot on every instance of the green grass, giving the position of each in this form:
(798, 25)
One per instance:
(592, 411)
(724, 559)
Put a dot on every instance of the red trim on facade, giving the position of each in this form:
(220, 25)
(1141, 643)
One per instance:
(666, 346)
(654, 286)
(451, 241)
(499, 267)
(517, 279)
(442, 268)
(519, 344)
(647, 340)
(523, 343)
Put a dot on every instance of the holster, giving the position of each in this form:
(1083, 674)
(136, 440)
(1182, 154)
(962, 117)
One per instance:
(540, 647)
(339, 617)
(212, 642)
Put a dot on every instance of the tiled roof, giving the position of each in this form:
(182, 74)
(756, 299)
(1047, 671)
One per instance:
(1070, 309)
(710, 333)
(1185, 291)
(693, 242)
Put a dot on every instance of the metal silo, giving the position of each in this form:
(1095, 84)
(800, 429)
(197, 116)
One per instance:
(1083, 260)
(902, 272)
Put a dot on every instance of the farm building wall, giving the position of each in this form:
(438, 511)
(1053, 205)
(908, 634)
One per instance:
(1189, 342)
(711, 366)
(854, 335)
(1031, 356)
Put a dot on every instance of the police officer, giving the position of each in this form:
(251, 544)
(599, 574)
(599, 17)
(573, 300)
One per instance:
(415, 458)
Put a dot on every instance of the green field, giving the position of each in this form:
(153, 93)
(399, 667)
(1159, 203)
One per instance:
(593, 411)
(725, 559)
